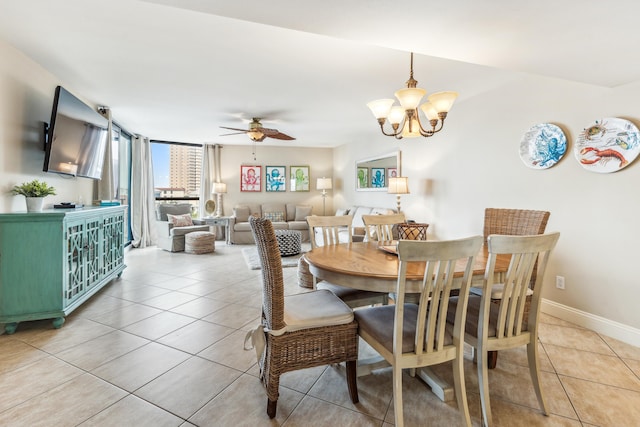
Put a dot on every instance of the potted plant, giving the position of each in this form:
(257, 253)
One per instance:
(34, 192)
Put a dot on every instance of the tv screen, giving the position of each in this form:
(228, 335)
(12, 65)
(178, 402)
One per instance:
(77, 138)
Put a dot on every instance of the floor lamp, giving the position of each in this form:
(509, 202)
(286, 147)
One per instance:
(219, 188)
(324, 184)
(398, 185)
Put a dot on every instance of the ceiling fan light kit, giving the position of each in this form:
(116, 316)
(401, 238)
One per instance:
(404, 119)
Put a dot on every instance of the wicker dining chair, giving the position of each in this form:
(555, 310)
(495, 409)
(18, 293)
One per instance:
(514, 222)
(414, 335)
(498, 324)
(327, 230)
(302, 330)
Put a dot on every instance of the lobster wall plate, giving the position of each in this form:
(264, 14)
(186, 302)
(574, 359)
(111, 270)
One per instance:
(607, 145)
(543, 146)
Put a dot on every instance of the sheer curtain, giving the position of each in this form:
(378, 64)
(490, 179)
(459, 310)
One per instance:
(142, 196)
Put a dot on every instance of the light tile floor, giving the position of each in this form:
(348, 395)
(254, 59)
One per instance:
(163, 346)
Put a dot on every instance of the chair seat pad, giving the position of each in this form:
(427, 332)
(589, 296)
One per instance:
(473, 315)
(378, 323)
(347, 294)
(496, 291)
(181, 231)
(313, 310)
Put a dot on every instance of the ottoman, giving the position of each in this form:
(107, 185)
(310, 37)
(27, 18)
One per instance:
(289, 242)
(199, 242)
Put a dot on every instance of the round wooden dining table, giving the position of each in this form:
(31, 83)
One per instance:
(373, 266)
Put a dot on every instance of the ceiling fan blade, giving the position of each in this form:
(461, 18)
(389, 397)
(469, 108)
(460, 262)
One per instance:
(234, 133)
(240, 130)
(282, 136)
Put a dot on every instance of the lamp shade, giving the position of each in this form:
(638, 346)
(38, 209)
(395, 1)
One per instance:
(443, 101)
(398, 185)
(380, 108)
(410, 97)
(219, 188)
(323, 184)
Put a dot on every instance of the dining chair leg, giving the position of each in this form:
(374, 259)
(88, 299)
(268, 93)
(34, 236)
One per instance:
(483, 384)
(534, 370)
(397, 396)
(272, 405)
(352, 380)
(461, 389)
(492, 359)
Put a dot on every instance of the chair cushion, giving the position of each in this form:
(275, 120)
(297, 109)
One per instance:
(473, 315)
(378, 322)
(313, 310)
(274, 207)
(241, 226)
(347, 294)
(302, 212)
(274, 216)
(183, 220)
(180, 209)
(241, 213)
(181, 231)
(496, 291)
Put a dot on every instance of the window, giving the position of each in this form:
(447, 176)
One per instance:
(177, 173)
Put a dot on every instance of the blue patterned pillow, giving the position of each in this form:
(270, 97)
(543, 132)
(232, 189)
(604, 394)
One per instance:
(274, 216)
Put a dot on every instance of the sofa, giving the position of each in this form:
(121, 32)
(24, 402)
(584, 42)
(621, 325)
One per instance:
(170, 235)
(283, 217)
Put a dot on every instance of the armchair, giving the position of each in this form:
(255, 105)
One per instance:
(171, 237)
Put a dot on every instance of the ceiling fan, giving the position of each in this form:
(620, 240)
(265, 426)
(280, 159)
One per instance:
(258, 133)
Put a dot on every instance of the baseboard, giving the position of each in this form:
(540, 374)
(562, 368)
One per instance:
(610, 328)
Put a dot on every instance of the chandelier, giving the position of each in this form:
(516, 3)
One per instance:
(404, 118)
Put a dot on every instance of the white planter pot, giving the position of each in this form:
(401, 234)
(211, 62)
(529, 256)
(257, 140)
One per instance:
(34, 204)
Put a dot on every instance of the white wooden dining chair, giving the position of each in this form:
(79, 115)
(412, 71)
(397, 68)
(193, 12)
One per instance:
(380, 227)
(497, 324)
(411, 335)
(329, 230)
(513, 222)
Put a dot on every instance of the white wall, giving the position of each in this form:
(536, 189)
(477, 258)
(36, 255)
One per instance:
(474, 163)
(25, 104)
(319, 160)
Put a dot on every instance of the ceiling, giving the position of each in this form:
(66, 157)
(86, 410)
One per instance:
(177, 70)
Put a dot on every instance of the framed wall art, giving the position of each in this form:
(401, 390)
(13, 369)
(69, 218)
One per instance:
(250, 178)
(392, 173)
(362, 178)
(378, 178)
(275, 178)
(299, 178)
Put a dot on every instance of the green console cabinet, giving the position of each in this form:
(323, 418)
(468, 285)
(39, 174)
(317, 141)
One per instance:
(53, 261)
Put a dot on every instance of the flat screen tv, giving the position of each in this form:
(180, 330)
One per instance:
(76, 139)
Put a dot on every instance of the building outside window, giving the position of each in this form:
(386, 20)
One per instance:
(177, 170)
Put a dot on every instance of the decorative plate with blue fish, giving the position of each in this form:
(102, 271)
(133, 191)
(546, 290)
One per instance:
(543, 146)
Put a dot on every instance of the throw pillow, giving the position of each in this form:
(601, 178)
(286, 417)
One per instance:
(183, 220)
(241, 213)
(302, 212)
(341, 212)
(274, 216)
